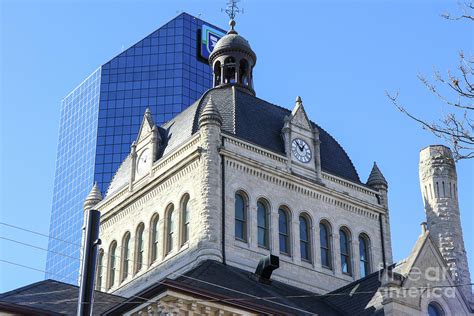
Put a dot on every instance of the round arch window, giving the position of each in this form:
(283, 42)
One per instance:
(435, 310)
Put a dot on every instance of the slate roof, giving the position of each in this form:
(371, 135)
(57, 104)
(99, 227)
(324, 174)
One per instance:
(50, 297)
(236, 287)
(210, 280)
(249, 118)
(235, 283)
(376, 177)
(359, 298)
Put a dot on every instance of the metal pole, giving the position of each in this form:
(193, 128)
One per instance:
(89, 262)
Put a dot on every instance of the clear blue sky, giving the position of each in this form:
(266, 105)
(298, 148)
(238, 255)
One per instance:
(340, 56)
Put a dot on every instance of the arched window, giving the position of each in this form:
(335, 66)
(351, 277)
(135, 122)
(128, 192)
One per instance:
(185, 217)
(112, 264)
(125, 255)
(154, 238)
(284, 231)
(229, 70)
(217, 73)
(169, 229)
(325, 244)
(262, 223)
(344, 243)
(434, 309)
(100, 270)
(240, 217)
(305, 239)
(139, 247)
(244, 72)
(364, 255)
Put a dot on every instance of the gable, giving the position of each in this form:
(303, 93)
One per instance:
(298, 116)
(146, 127)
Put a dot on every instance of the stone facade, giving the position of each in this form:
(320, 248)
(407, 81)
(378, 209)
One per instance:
(419, 280)
(212, 190)
(438, 182)
(195, 169)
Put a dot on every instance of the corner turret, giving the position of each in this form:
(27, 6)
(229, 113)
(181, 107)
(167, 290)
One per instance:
(438, 182)
(93, 198)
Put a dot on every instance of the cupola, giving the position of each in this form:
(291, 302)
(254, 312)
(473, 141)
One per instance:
(232, 61)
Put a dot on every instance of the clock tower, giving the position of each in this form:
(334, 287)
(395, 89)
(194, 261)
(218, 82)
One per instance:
(302, 144)
(144, 150)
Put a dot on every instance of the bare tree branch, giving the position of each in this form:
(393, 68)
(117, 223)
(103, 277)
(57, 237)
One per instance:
(466, 14)
(456, 92)
(452, 129)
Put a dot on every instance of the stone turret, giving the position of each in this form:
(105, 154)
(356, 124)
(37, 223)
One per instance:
(438, 181)
(93, 198)
(378, 182)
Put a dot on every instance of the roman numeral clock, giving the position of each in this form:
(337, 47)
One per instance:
(301, 150)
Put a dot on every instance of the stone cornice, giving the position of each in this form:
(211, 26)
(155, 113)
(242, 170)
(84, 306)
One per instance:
(158, 168)
(149, 190)
(302, 186)
(282, 159)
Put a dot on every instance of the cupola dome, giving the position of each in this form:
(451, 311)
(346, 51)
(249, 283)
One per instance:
(232, 61)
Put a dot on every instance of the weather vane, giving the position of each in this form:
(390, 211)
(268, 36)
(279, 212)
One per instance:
(232, 10)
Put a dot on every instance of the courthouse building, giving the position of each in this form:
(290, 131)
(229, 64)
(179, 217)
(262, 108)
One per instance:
(238, 206)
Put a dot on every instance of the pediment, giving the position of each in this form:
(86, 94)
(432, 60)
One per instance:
(298, 116)
(146, 127)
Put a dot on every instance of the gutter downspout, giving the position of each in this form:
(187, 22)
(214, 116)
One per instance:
(223, 202)
(383, 241)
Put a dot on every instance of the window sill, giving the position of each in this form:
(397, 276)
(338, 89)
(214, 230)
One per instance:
(243, 241)
(327, 268)
(306, 262)
(184, 246)
(285, 254)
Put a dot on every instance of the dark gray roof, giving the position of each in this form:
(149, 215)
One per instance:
(232, 42)
(359, 298)
(54, 297)
(256, 121)
(376, 177)
(239, 284)
(210, 280)
(235, 287)
(249, 118)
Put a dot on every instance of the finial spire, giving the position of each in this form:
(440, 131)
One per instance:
(94, 197)
(376, 177)
(210, 113)
(232, 10)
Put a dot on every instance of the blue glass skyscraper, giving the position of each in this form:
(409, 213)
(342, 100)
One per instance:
(166, 71)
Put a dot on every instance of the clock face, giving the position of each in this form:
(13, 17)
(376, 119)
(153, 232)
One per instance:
(301, 150)
(143, 163)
